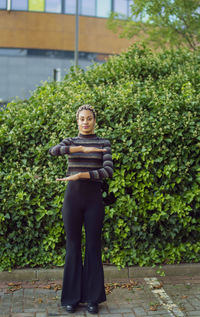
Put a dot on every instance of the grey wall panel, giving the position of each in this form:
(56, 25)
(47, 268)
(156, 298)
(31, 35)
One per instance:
(20, 75)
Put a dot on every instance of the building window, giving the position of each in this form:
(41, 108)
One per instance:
(95, 8)
(70, 6)
(53, 6)
(88, 7)
(13, 52)
(103, 8)
(36, 5)
(19, 5)
(2, 4)
(129, 8)
(121, 6)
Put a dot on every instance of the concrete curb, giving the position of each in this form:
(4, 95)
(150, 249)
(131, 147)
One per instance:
(111, 272)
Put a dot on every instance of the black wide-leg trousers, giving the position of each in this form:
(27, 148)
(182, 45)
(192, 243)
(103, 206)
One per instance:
(83, 205)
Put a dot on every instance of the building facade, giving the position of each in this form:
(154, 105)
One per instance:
(38, 36)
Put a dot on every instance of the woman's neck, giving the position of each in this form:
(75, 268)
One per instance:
(87, 136)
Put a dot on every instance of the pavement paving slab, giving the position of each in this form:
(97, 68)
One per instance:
(151, 296)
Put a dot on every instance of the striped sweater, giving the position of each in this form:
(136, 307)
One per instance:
(98, 164)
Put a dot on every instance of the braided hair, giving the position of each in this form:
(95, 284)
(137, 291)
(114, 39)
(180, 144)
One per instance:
(85, 107)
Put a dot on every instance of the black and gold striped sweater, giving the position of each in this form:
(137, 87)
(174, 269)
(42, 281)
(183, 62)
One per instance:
(98, 164)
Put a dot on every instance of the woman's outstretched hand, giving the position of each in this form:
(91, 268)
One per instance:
(69, 178)
(89, 149)
(75, 177)
(85, 149)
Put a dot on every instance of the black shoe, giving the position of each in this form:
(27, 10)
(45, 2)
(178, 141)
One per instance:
(71, 308)
(92, 308)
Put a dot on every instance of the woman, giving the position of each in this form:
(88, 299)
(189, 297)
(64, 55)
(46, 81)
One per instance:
(89, 162)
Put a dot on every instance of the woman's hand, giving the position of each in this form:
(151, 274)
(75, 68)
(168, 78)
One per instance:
(74, 177)
(89, 149)
(85, 149)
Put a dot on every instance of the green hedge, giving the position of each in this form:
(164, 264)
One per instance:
(148, 107)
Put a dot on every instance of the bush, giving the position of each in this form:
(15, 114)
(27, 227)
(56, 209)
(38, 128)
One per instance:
(148, 107)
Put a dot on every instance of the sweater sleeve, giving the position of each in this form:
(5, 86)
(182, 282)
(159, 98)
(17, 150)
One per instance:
(107, 170)
(61, 148)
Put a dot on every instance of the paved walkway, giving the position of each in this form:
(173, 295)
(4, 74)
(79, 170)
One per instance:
(140, 297)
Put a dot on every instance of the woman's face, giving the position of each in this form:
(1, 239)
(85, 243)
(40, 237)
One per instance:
(86, 122)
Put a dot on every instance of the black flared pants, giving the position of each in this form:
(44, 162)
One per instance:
(83, 205)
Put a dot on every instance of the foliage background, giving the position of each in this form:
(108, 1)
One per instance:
(148, 107)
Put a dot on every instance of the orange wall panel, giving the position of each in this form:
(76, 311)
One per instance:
(57, 31)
